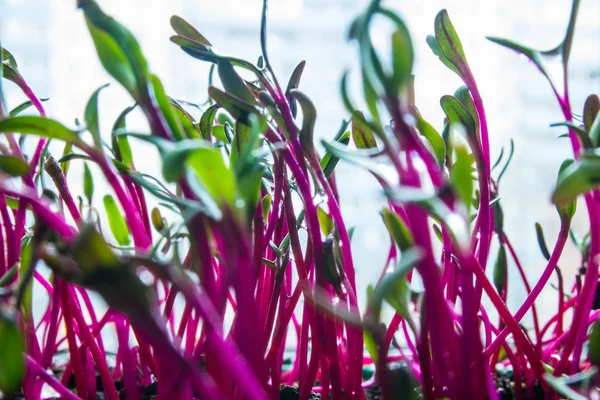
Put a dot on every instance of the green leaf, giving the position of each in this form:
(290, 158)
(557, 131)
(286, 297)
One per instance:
(402, 57)
(333, 272)
(309, 116)
(581, 133)
(120, 143)
(394, 288)
(266, 206)
(207, 120)
(566, 211)
(563, 50)
(460, 176)
(219, 133)
(460, 118)
(591, 108)
(500, 269)
(118, 50)
(510, 156)
(324, 221)
(39, 126)
(88, 183)
(158, 221)
(183, 28)
(13, 166)
(463, 95)
(594, 350)
(436, 208)
(166, 108)
(580, 177)
(539, 232)
(449, 44)
(293, 83)
(192, 131)
(8, 58)
(116, 221)
(236, 107)
(498, 219)
(91, 117)
(217, 179)
(114, 59)
(329, 160)
(361, 134)
(594, 132)
(435, 47)
(233, 84)
(12, 364)
(371, 345)
(397, 229)
(22, 107)
(433, 137)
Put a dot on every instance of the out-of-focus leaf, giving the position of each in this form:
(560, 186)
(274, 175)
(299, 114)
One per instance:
(91, 251)
(116, 221)
(594, 350)
(580, 177)
(433, 137)
(460, 176)
(456, 225)
(266, 205)
(13, 166)
(329, 161)
(191, 130)
(435, 47)
(324, 221)
(88, 183)
(333, 273)
(166, 108)
(219, 133)
(183, 28)
(236, 107)
(591, 108)
(39, 126)
(91, 117)
(402, 56)
(500, 270)
(22, 107)
(361, 134)
(12, 364)
(566, 211)
(397, 229)
(394, 287)
(233, 84)
(217, 179)
(207, 120)
(118, 50)
(158, 221)
(120, 143)
(594, 131)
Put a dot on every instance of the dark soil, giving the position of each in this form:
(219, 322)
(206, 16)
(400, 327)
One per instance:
(293, 393)
(507, 390)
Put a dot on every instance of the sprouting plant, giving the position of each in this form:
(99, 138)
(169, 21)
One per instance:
(259, 227)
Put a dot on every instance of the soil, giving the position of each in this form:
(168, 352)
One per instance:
(293, 393)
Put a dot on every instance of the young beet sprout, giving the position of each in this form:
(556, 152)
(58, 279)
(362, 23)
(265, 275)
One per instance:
(206, 307)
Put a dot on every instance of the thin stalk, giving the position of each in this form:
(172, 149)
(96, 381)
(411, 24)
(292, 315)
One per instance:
(563, 236)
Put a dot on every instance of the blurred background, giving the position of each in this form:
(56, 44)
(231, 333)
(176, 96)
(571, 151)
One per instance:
(55, 54)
